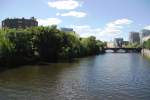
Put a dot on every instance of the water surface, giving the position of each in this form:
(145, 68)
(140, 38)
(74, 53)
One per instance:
(112, 76)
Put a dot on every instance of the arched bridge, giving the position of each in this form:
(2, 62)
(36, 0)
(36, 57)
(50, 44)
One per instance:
(115, 50)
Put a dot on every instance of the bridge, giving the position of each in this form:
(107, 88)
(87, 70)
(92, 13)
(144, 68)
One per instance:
(126, 50)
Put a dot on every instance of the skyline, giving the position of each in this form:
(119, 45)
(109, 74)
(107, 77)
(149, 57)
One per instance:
(104, 19)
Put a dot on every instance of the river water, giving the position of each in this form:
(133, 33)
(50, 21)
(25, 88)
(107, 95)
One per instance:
(112, 76)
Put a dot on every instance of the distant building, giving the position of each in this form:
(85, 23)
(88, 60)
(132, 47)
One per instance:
(134, 37)
(145, 32)
(110, 45)
(125, 43)
(67, 29)
(118, 42)
(145, 38)
(145, 35)
(19, 23)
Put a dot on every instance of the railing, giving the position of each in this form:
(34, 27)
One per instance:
(125, 49)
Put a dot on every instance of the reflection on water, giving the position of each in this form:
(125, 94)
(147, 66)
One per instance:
(110, 76)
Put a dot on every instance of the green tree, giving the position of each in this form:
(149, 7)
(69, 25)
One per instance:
(47, 41)
(146, 44)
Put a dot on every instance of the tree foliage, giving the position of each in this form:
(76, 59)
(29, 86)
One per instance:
(133, 45)
(47, 43)
(146, 44)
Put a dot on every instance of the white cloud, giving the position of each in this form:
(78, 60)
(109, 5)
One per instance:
(116, 26)
(73, 14)
(123, 21)
(49, 21)
(111, 30)
(86, 30)
(147, 27)
(64, 4)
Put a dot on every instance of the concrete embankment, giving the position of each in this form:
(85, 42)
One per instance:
(146, 53)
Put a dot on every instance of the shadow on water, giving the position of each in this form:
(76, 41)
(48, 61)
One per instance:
(36, 63)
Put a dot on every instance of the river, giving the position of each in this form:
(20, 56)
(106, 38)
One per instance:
(111, 76)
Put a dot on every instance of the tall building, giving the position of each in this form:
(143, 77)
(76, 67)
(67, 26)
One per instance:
(145, 35)
(118, 42)
(134, 37)
(19, 23)
(67, 29)
(145, 32)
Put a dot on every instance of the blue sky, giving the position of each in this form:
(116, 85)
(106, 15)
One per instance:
(105, 19)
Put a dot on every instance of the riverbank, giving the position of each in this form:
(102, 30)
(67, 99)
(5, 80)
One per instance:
(146, 53)
(6, 64)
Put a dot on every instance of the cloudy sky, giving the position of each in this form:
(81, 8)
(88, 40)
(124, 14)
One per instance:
(105, 19)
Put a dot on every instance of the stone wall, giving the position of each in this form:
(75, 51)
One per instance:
(146, 52)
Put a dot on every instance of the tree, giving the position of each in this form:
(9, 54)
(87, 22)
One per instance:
(22, 41)
(146, 44)
(46, 43)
